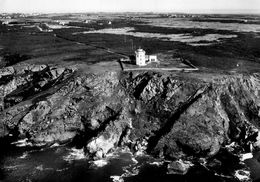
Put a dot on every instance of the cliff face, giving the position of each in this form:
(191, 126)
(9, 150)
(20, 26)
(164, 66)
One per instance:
(164, 115)
(195, 117)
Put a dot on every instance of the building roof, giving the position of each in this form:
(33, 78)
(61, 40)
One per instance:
(139, 50)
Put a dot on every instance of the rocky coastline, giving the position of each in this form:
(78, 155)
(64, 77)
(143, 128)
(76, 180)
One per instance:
(191, 123)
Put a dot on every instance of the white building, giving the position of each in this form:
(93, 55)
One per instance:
(62, 22)
(142, 59)
(5, 22)
(152, 58)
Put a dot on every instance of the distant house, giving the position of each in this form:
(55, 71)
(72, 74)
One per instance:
(43, 27)
(62, 23)
(5, 22)
(142, 59)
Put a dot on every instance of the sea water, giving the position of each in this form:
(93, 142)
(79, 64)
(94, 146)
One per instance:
(63, 163)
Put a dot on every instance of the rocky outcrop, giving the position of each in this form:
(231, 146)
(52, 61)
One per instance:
(195, 116)
(20, 82)
(26, 101)
(107, 140)
(179, 167)
(169, 116)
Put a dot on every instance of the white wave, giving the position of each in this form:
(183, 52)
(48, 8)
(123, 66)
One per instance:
(22, 143)
(124, 150)
(117, 178)
(242, 175)
(99, 163)
(14, 167)
(130, 171)
(55, 145)
(134, 160)
(246, 156)
(25, 154)
(40, 167)
(63, 169)
(40, 144)
(156, 163)
(112, 155)
(139, 153)
(75, 154)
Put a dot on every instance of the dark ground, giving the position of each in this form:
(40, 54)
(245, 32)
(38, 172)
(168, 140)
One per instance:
(22, 43)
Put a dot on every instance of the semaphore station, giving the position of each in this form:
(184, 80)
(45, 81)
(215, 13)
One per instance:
(158, 62)
(142, 59)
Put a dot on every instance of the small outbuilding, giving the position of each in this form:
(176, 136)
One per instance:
(152, 58)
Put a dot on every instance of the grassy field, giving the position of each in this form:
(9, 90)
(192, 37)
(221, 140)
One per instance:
(62, 47)
(226, 55)
(43, 47)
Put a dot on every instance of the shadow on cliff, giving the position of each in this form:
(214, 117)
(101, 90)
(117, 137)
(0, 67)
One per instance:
(85, 136)
(153, 141)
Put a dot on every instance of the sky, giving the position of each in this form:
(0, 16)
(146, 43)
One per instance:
(185, 6)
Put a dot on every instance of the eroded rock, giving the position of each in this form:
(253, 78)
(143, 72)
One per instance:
(179, 167)
(163, 115)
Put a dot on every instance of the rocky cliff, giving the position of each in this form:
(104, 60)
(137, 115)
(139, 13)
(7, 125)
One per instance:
(172, 116)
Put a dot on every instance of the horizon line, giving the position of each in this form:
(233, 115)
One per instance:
(202, 11)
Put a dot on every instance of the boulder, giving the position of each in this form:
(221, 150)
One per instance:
(107, 140)
(179, 167)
